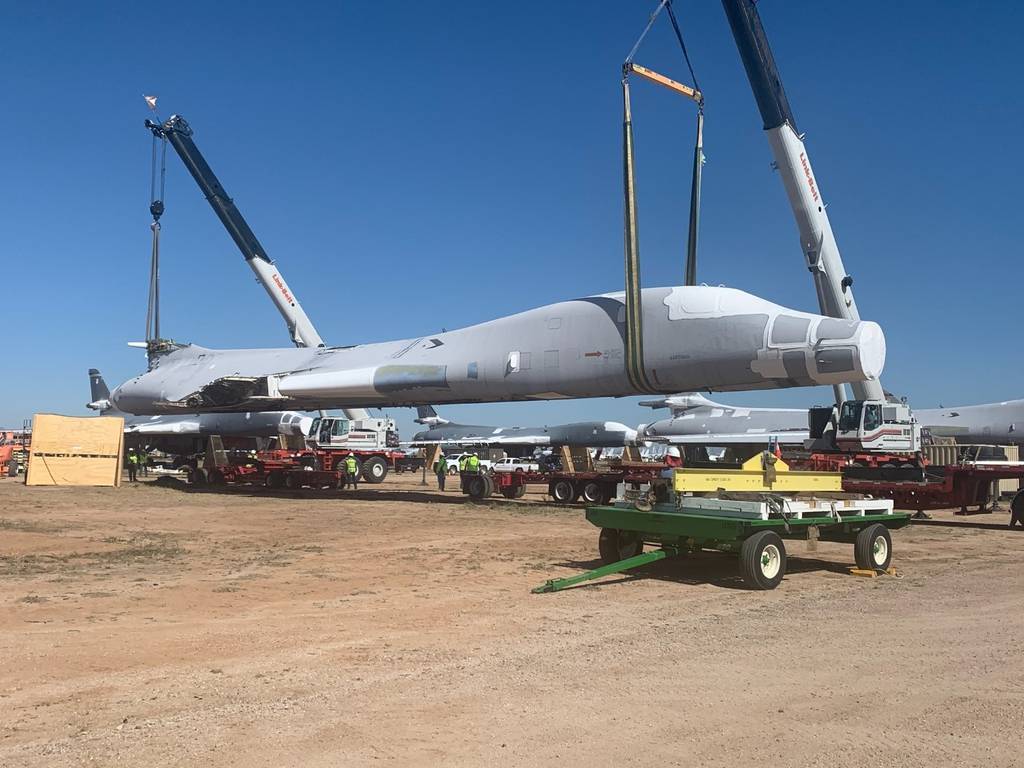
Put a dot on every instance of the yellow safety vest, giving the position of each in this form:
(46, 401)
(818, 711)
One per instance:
(473, 464)
(350, 465)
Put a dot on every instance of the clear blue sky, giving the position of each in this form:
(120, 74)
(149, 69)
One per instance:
(418, 165)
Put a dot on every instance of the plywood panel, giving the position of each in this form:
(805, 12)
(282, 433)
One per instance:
(71, 450)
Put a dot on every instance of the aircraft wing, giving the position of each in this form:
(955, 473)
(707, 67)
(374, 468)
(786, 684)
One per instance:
(489, 440)
(736, 438)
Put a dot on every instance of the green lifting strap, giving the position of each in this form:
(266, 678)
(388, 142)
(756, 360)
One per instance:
(635, 369)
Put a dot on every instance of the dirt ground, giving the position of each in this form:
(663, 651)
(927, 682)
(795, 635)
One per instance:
(150, 625)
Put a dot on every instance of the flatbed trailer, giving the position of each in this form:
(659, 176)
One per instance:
(373, 465)
(695, 525)
(596, 486)
(943, 487)
(267, 474)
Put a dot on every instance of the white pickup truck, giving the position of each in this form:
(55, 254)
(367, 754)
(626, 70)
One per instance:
(516, 465)
(486, 465)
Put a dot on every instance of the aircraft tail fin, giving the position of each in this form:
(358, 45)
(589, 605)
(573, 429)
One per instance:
(99, 391)
(425, 414)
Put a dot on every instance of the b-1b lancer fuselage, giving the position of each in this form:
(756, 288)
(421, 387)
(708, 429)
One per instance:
(695, 338)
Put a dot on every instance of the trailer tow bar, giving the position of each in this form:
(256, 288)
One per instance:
(556, 585)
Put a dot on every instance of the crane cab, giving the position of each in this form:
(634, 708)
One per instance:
(877, 426)
(327, 432)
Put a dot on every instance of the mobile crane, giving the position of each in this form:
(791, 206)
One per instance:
(372, 440)
(868, 422)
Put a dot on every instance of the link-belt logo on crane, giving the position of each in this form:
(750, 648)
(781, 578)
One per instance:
(284, 291)
(810, 179)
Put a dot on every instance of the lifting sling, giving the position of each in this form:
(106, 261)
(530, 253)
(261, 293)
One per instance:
(634, 346)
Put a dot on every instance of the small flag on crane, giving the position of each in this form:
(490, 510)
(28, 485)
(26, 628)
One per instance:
(150, 101)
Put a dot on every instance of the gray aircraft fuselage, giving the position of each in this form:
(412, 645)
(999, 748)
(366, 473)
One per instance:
(695, 338)
(694, 415)
(250, 424)
(593, 434)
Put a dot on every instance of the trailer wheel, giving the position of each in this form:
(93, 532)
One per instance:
(592, 493)
(375, 469)
(477, 486)
(608, 493)
(292, 481)
(513, 491)
(562, 491)
(615, 545)
(216, 477)
(274, 480)
(873, 548)
(763, 560)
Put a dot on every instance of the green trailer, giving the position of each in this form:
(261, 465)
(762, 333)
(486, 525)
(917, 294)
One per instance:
(755, 529)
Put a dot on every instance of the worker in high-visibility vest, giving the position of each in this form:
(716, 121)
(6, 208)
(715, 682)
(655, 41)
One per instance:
(442, 471)
(463, 469)
(133, 465)
(473, 464)
(352, 471)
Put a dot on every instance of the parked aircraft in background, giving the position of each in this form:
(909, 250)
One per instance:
(987, 424)
(696, 419)
(593, 434)
(694, 338)
(255, 424)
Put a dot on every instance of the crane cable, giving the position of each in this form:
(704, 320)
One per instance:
(682, 44)
(636, 370)
(156, 208)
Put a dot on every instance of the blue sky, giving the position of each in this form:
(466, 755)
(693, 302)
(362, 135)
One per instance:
(418, 165)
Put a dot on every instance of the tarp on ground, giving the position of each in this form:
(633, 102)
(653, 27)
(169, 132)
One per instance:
(72, 450)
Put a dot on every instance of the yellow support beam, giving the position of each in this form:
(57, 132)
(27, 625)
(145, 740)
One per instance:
(667, 82)
(764, 473)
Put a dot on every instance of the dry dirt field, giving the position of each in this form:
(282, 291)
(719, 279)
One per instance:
(149, 625)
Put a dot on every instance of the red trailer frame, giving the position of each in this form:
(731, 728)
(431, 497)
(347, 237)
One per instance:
(961, 485)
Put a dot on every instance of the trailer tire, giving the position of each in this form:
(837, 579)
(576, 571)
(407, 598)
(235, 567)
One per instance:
(513, 491)
(274, 480)
(477, 486)
(562, 491)
(608, 492)
(592, 493)
(216, 477)
(615, 545)
(1017, 509)
(292, 481)
(763, 560)
(873, 548)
